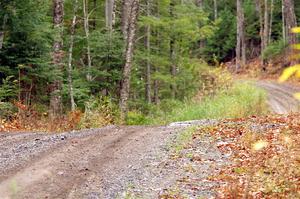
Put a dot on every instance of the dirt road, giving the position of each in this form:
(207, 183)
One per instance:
(280, 97)
(90, 164)
(103, 163)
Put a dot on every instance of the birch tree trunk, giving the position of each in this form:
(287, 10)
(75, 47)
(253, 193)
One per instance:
(109, 14)
(70, 68)
(2, 31)
(87, 37)
(56, 85)
(130, 12)
(148, 65)
(126, 10)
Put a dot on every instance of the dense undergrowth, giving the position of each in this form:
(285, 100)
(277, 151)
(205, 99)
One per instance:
(238, 100)
(218, 97)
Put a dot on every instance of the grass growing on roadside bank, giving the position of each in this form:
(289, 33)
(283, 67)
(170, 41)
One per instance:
(238, 100)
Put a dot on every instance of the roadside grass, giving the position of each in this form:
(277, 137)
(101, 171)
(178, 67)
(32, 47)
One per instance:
(239, 100)
(182, 139)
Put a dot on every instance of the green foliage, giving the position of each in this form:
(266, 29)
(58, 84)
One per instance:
(135, 118)
(178, 27)
(7, 110)
(240, 100)
(274, 49)
(222, 43)
(27, 43)
(99, 112)
(8, 89)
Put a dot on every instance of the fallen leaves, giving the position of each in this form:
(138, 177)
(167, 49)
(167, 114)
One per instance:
(265, 164)
(259, 145)
(260, 159)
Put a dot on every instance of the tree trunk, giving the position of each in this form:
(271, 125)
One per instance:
(56, 85)
(173, 67)
(126, 10)
(158, 48)
(94, 22)
(266, 25)
(70, 68)
(109, 14)
(87, 35)
(2, 31)
(241, 43)
(172, 55)
(148, 65)
(259, 9)
(290, 20)
(215, 9)
(199, 3)
(283, 22)
(271, 21)
(131, 8)
(156, 89)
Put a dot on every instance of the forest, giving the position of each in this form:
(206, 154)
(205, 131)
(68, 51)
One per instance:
(167, 99)
(121, 60)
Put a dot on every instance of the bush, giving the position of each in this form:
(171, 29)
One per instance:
(99, 112)
(274, 49)
(7, 110)
(136, 118)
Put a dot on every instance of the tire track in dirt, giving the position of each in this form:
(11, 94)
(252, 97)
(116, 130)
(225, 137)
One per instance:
(281, 96)
(99, 163)
(85, 166)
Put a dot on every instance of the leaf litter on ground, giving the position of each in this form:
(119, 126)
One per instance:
(259, 157)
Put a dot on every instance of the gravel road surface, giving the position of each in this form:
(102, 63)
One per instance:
(104, 163)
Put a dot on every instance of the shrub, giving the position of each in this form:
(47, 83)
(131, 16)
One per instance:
(99, 111)
(274, 49)
(135, 118)
(7, 110)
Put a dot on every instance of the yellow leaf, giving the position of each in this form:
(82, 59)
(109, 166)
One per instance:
(287, 73)
(296, 46)
(297, 74)
(287, 139)
(259, 145)
(296, 30)
(297, 96)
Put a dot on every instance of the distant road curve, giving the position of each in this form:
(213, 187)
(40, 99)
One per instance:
(280, 96)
